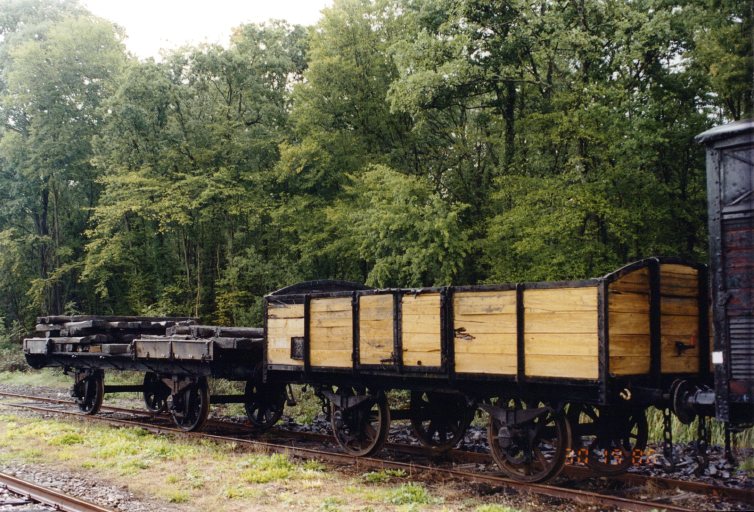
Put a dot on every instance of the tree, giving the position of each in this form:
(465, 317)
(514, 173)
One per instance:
(57, 70)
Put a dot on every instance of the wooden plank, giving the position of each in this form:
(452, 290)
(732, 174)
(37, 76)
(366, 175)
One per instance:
(678, 284)
(487, 343)
(285, 311)
(425, 304)
(421, 324)
(629, 345)
(628, 323)
(561, 344)
(421, 342)
(331, 332)
(421, 358)
(336, 333)
(282, 356)
(629, 365)
(485, 324)
(484, 303)
(340, 319)
(495, 364)
(564, 322)
(636, 281)
(330, 305)
(627, 302)
(294, 326)
(679, 325)
(683, 364)
(375, 329)
(561, 300)
(574, 367)
(673, 268)
(334, 358)
(421, 329)
(679, 306)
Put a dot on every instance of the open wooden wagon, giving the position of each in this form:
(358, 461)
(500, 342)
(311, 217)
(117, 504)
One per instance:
(556, 365)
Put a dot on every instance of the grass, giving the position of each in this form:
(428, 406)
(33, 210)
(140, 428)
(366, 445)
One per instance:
(687, 433)
(205, 475)
(493, 507)
(748, 465)
(383, 476)
(411, 494)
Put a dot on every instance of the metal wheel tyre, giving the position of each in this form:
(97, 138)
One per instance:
(89, 393)
(190, 407)
(533, 451)
(264, 404)
(439, 420)
(156, 393)
(361, 430)
(609, 436)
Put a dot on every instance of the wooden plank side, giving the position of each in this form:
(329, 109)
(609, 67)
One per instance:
(330, 305)
(376, 329)
(331, 358)
(471, 326)
(421, 357)
(285, 311)
(679, 322)
(560, 332)
(561, 344)
(331, 332)
(628, 302)
(556, 300)
(629, 324)
(678, 280)
(496, 364)
(685, 361)
(487, 343)
(629, 365)
(284, 321)
(485, 332)
(485, 303)
(636, 345)
(421, 329)
(636, 281)
(576, 322)
(564, 366)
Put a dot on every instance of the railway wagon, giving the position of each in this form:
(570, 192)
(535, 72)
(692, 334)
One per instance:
(730, 192)
(176, 356)
(552, 363)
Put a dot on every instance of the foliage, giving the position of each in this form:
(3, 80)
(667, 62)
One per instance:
(397, 143)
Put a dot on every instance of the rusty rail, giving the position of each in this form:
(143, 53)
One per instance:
(574, 495)
(47, 496)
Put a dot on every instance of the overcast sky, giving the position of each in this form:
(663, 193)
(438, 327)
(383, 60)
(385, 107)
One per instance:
(157, 24)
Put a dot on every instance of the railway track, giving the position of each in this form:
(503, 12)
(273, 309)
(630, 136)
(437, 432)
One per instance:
(284, 442)
(28, 492)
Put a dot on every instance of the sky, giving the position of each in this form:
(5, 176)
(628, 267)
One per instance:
(164, 24)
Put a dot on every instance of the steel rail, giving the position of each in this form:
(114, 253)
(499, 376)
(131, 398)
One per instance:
(456, 455)
(574, 495)
(48, 496)
(738, 494)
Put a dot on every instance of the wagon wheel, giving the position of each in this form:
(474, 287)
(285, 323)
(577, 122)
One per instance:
(361, 430)
(156, 393)
(439, 419)
(609, 436)
(89, 392)
(190, 406)
(264, 404)
(532, 451)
